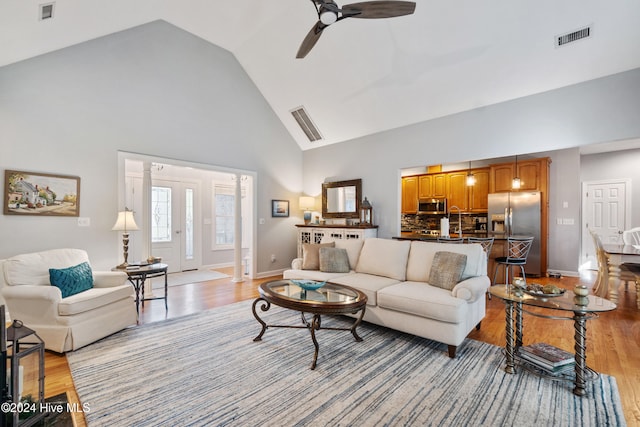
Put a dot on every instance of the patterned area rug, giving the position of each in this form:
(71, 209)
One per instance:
(205, 369)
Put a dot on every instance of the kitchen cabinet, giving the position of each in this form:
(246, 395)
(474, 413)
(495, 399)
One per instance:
(468, 198)
(479, 192)
(532, 173)
(432, 186)
(410, 194)
(457, 193)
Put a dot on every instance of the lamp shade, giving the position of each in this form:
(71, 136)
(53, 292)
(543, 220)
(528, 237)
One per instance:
(306, 203)
(125, 222)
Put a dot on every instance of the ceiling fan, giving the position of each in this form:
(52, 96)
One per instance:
(329, 13)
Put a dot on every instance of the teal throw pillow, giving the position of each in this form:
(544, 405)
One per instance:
(72, 280)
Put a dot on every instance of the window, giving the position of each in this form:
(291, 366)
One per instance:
(160, 214)
(188, 235)
(224, 201)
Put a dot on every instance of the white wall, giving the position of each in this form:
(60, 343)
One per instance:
(153, 90)
(600, 110)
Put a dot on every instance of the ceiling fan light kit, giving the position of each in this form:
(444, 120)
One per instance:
(329, 13)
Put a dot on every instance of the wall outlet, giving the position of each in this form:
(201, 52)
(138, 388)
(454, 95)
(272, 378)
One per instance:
(84, 222)
(273, 257)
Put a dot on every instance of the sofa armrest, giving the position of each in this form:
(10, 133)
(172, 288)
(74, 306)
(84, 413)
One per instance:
(296, 264)
(472, 288)
(33, 304)
(108, 279)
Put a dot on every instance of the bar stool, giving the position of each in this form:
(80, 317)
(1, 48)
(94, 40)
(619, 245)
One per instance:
(485, 242)
(450, 239)
(517, 251)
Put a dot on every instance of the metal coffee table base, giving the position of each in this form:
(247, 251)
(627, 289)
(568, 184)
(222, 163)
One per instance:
(315, 325)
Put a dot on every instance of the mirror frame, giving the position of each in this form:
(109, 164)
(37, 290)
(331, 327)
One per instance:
(353, 182)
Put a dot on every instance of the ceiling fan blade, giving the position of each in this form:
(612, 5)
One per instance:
(311, 39)
(378, 9)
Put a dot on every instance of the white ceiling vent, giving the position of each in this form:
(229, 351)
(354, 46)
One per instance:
(574, 36)
(305, 123)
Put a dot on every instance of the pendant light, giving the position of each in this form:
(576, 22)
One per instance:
(515, 184)
(471, 180)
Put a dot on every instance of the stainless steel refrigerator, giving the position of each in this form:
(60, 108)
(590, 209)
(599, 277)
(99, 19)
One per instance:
(517, 215)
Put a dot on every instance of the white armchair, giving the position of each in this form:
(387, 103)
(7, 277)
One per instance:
(72, 322)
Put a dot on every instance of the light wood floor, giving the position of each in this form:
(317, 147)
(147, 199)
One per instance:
(613, 340)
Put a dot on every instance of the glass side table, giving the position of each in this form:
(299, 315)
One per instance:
(582, 309)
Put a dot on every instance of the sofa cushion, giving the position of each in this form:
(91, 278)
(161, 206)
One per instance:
(446, 269)
(369, 284)
(72, 280)
(421, 299)
(33, 268)
(422, 253)
(384, 257)
(93, 298)
(334, 260)
(311, 255)
(353, 247)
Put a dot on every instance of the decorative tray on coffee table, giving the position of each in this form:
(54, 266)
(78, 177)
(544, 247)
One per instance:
(536, 291)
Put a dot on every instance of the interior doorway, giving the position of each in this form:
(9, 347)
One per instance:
(606, 210)
(184, 219)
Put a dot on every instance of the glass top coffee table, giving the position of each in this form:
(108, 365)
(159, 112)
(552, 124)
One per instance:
(328, 299)
(582, 309)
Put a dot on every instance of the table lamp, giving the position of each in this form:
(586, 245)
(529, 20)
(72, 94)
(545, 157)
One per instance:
(125, 223)
(307, 203)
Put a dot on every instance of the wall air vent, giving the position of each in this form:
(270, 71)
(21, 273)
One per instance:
(573, 36)
(45, 11)
(305, 123)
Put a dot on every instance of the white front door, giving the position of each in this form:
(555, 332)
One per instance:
(605, 211)
(175, 212)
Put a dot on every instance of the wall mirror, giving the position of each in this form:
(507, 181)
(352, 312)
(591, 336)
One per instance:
(341, 199)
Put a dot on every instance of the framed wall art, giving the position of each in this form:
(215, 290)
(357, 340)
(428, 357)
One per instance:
(279, 208)
(44, 194)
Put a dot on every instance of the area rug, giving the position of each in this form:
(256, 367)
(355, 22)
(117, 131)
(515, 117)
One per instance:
(205, 369)
(185, 277)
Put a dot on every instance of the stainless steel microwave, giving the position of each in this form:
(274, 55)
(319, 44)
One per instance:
(432, 206)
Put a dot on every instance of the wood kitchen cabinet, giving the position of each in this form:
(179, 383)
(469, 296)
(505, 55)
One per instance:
(468, 198)
(479, 192)
(410, 194)
(532, 173)
(457, 194)
(432, 186)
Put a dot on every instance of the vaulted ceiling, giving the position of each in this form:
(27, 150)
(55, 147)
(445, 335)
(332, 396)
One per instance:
(366, 76)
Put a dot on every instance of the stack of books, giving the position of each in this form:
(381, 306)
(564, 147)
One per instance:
(548, 357)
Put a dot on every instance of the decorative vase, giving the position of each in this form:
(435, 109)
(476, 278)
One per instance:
(581, 290)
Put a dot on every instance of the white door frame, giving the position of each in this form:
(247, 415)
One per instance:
(584, 235)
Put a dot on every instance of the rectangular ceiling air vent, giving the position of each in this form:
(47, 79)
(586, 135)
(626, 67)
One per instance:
(305, 123)
(45, 11)
(573, 36)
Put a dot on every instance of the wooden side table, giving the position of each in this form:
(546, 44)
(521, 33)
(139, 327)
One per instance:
(138, 275)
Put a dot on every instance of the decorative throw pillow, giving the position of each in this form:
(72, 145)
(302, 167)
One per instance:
(72, 280)
(446, 269)
(311, 255)
(334, 260)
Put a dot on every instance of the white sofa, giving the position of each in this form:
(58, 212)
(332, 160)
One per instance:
(394, 275)
(69, 323)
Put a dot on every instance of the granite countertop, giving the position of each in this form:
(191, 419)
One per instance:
(408, 235)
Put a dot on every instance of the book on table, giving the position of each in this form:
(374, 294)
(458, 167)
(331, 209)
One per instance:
(547, 356)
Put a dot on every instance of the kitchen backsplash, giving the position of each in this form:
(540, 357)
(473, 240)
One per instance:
(417, 223)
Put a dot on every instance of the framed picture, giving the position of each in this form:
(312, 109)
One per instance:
(280, 208)
(34, 193)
